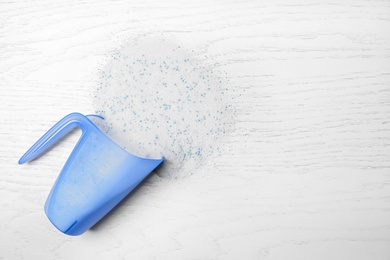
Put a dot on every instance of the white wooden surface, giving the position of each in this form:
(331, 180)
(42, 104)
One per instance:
(307, 172)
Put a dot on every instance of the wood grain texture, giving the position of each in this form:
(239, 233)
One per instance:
(305, 174)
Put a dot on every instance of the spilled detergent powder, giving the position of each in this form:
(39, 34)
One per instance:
(160, 99)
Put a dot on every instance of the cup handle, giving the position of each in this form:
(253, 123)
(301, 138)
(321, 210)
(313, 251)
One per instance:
(60, 129)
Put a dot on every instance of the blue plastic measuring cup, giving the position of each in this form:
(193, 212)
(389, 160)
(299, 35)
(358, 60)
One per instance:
(96, 177)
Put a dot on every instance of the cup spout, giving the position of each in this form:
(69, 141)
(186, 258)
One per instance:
(140, 169)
